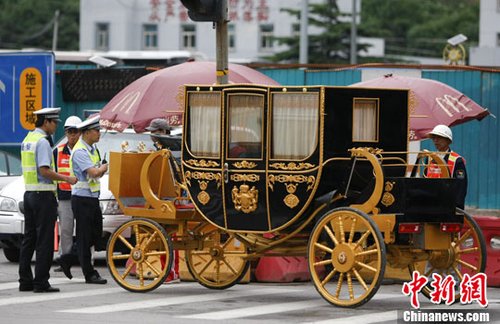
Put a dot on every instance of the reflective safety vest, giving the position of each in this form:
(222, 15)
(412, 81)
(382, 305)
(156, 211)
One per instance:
(433, 170)
(63, 167)
(28, 164)
(93, 184)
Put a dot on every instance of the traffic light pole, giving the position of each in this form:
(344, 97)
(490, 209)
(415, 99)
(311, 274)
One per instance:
(221, 47)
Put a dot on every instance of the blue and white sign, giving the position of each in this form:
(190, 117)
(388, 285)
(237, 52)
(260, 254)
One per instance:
(26, 85)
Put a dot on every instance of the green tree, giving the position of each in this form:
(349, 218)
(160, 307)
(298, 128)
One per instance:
(419, 28)
(332, 45)
(29, 23)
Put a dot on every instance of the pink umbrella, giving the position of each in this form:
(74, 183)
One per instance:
(431, 103)
(161, 94)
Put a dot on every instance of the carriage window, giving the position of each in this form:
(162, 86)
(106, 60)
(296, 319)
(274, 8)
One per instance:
(295, 125)
(245, 120)
(365, 120)
(204, 124)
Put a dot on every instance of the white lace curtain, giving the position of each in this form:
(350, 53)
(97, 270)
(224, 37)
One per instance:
(364, 126)
(295, 125)
(204, 121)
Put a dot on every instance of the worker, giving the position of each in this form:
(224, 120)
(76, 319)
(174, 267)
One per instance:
(66, 219)
(40, 202)
(158, 126)
(442, 137)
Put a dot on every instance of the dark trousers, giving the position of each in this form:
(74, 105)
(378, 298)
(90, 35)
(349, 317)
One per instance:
(88, 217)
(40, 214)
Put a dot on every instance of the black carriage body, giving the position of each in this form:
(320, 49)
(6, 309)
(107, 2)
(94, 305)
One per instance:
(256, 158)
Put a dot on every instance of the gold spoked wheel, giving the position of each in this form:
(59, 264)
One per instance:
(147, 256)
(346, 255)
(466, 254)
(222, 261)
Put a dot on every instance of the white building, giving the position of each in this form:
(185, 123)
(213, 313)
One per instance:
(488, 51)
(164, 25)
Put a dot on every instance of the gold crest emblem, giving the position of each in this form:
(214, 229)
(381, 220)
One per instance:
(244, 198)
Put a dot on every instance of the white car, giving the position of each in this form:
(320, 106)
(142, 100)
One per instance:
(11, 197)
(10, 168)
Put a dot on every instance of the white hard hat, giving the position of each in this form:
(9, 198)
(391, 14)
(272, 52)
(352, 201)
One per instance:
(443, 131)
(72, 122)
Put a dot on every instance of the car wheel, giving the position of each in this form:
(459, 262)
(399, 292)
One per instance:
(12, 254)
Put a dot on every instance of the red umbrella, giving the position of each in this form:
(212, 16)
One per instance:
(431, 103)
(161, 94)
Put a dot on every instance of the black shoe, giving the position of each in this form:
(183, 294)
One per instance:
(25, 288)
(48, 289)
(95, 278)
(66, 267)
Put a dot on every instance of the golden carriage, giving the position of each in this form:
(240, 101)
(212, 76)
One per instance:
(321, 172)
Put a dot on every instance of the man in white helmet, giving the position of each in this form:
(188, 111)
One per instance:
(442, 137)
(66, 219)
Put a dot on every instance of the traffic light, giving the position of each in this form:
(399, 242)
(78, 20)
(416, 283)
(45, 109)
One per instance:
(205, 10)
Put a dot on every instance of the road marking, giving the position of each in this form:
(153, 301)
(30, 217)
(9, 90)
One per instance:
(54, 281)
(42, 297)
(257, 310)
(365, 319)
(211, 296)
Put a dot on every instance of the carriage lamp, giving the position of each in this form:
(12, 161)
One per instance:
(410, 228)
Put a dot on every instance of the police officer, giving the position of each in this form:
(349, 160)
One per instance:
(40, 203)
(86, 165)
(66, 221)
(442, 137)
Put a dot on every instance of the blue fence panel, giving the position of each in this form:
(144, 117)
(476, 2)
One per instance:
(333, 78)
(285, 76)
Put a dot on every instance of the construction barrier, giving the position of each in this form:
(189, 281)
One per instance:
(490, 226)
(282, 269)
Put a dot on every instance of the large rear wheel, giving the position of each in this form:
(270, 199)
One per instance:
(148, 259)
(346, 255)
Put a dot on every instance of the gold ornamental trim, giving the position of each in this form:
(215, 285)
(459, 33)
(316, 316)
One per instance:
(245, 199)
(284, 178)
(291, 200)
(203, 197)
(388, 198)
(210, 176)
(202, 163)
(292, 166)
(245, 165)
(245, 177)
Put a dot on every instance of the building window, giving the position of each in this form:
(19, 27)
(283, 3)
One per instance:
(498, 39)
(102, 37)
(498, 5)
(365, 120)
(231, 37)
(266, 37)
(188, 37)
(149, 37)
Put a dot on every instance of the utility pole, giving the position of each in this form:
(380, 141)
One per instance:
(221, 48)
(354, 48)
(56, 30)
(304, 37)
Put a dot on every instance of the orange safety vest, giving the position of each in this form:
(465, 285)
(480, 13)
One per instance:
(63, 167)
(433, 170)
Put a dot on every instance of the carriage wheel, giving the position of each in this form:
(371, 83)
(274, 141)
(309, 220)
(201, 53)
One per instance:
(147, 259)
(346, 255)
(221, 263)
(466, 254)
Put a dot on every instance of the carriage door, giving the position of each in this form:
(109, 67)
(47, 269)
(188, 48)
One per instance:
(244, 159)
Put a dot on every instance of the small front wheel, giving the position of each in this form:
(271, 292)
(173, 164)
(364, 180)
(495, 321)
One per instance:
(148, 257)
(346, 255)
